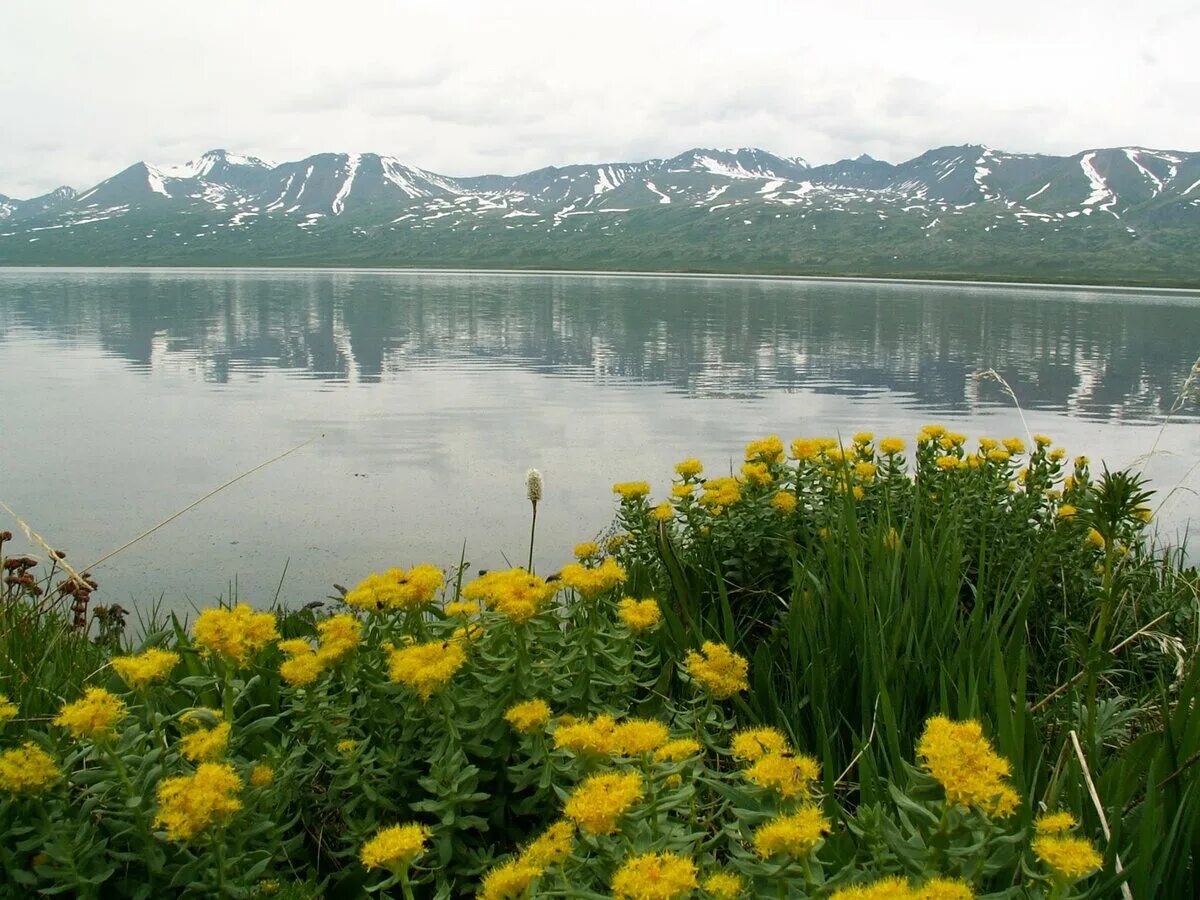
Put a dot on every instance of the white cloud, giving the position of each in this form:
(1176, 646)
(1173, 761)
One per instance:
(474, 86)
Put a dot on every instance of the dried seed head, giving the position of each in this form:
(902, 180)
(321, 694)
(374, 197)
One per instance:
(534, 486)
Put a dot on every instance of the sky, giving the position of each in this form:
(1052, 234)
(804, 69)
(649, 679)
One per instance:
(477, 86)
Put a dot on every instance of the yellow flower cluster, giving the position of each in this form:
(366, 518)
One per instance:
(395, 847)
(8, 709)
(27, 769)
(964, 763)
(755, 743)
(795, 835)
(397, 589)
(512, 879)
(724, 886)
(587, 550)
(234, 634)
(757, 473)
(514, 592)
(639, 615)
(599, 801)
(890, 446)
(144, 669)
(654, 876)
(788, 775)
(337, 637)
(720, 493)
(528, 716)
(592, 581)
(1069, 858)
(767, 450)
(190, 805)
(95, 716)
(718, 670)
(1054, 823)
(261, 775)
(425, 667)
(689, 468)
(898, 889)
(785, 502)
(633, 737)
(206, 744)
(677, 750)
(631, 490)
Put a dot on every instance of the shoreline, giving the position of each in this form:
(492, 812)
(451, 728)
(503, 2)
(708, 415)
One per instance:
(630, 273)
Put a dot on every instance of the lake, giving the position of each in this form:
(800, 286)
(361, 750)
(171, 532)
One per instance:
(128, 394)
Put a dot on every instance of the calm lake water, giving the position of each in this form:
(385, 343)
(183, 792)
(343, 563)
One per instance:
(129, 394)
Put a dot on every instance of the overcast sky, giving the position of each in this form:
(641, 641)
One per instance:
(87, 88)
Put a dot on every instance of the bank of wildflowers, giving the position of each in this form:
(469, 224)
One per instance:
(860, 670)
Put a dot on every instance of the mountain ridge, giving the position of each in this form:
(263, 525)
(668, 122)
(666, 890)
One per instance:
(1124, 213)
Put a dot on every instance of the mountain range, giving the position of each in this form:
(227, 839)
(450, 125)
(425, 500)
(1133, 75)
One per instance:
(1127, 214)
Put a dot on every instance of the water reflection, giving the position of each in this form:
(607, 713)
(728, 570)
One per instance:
(1087, 354)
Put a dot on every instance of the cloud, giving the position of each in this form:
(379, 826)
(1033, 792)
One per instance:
(477, 87)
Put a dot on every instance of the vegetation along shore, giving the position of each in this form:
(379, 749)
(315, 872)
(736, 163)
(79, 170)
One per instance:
(930, 668)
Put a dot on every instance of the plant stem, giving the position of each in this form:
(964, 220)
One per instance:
(532, 530)
(404, 885)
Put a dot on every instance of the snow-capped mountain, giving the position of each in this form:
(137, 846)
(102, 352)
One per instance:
(967, 209)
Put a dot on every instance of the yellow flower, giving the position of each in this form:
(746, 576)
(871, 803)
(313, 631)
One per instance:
(528, 716)
(987, 444)
(463, 608)
(689, 468)
(632, 490)
(552, 846)
(205, 745)
(677, 750)
(586, 549)
(508, 881)
(614, 543)
(1067, 511)
(788, 775)
(864, 437)
(805, 448)
(95, 716)
(757, 473)
(1015, 446)
(261, 775)
(1057, 454)
(680, 491)
(725, 886)
(947, 462)
(654, 876)
(865, 470)
(1081, 461)
(1054, 823)
(890, 446)
(753, 744)
(887, 889)
(633, 737)
(1095, 538)
(235, 634)
(594, 581)
(600, 800)
(892, 539)
(721, 492)
(639, 615)
(785, 502)
(8, 709)
(768, 450)
(346, 747)
(998, 455)
(337, 637)
(718, 670)
(588, 736)
(664, 512)
(394, 847)
(27, 769)
(1143, 514)
(398, 589)
(189, 805)
(795, 835)
(952, 439)
(514, 592)
(1069, 858)
(1042, 440)
(302, 669)
(146, 668)
(962, 760)
(425, 667)
(944, 889)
